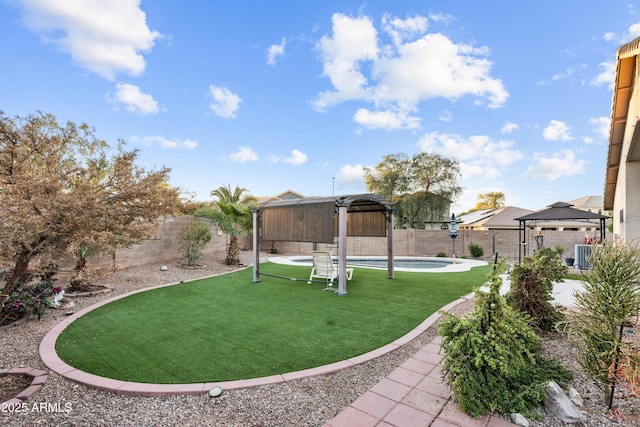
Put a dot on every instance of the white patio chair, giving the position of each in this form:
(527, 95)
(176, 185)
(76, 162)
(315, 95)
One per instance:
(324, 268)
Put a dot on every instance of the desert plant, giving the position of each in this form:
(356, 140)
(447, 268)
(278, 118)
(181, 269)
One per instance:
(441, 255)
(491, 356)
(196, 236)
(532, 285)
(610, 297)
(476, 250)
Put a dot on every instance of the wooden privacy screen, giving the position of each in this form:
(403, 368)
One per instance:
(308, 222)
(318, 222)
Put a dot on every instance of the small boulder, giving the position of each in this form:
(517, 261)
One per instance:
(575, 397)
(558, 404)
(520, 420)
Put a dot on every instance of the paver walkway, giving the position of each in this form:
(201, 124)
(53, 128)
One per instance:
(412, 395)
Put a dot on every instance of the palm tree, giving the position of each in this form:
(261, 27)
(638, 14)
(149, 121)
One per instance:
(233, 215)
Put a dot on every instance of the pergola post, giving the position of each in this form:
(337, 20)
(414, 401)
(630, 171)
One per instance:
(390, 268)
(342, 250)
(256, 251)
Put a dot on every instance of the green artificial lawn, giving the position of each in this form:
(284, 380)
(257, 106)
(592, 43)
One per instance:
(228, 328)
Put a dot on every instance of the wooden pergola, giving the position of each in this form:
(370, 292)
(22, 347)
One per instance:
(321, 220)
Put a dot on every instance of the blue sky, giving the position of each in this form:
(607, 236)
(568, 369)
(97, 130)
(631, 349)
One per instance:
(299, 95)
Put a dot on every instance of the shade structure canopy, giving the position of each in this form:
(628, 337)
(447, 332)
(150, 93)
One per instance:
(559, 211)
(322, 220)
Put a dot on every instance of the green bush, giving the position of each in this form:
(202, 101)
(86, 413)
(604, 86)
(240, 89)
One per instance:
(532, 286)
(441, 255)
(609, 298)
(491, 357)
(476, 250)
(195, 238)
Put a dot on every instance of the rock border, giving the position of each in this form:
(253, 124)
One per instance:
(39, 378)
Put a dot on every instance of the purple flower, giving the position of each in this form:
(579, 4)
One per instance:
(57, 290)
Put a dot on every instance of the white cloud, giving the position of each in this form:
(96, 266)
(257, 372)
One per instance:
(388, 120)
(608, 36)
(103, 36)
(601, 126)
(445, 116)
(297, 158)
(224, 102)
(509, 127)
(558, 165)
(557, 131)
(607, 76)
(134, 100)
(478, 155)
(243, 155)
(401, 75)
(167, 143)
(402, 29)
(632, 32)
(351, 177)
(274, 51)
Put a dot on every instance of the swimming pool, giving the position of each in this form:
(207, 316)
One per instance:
(402, 263)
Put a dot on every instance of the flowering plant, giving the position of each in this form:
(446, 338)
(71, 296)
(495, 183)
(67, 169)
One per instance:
(30, 295)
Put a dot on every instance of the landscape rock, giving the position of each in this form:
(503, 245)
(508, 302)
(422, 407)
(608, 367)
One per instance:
(575, 397)
(558, 404)
(519, 419)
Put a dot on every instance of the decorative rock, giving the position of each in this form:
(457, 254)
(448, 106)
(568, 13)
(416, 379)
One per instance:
(520, 420)
(576, 397)
(559, 404)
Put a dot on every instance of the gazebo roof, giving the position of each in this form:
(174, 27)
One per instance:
(366, 202)
(560, 211)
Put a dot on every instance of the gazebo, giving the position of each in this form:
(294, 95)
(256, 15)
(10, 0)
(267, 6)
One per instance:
(321, 220)
(559, 211)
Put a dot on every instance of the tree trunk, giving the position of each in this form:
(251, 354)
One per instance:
(21, 266)
(233, 252)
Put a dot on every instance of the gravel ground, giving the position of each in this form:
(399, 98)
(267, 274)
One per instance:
(306, 402)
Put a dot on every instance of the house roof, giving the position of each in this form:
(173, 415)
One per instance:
(623, 86)
(587, 202)
(504, 217)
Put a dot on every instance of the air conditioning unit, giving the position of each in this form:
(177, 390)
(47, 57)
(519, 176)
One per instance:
(583, 254)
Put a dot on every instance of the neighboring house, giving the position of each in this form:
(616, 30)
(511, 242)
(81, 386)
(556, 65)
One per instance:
(622, 177)
(504, 218)
(285, 195)
(493, 219)
(588, 204)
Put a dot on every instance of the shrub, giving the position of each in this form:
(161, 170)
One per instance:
(491, 357)
(195, 238)
(609, 298)
(476, 250)
(30, 295)
(441, 255)
(532, 286)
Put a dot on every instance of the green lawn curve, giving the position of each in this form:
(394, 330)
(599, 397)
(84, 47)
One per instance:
(228, 328)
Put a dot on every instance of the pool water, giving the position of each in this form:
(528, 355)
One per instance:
(417, 263)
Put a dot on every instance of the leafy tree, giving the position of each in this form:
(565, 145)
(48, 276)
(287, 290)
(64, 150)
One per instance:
(490, 200)
(232, 213)
(532, 286)
(423, 186)
(63, 192)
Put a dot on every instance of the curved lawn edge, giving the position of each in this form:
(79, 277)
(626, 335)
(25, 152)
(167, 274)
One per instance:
(50, 358)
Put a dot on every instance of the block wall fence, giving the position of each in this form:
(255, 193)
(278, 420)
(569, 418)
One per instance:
(164, 246)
